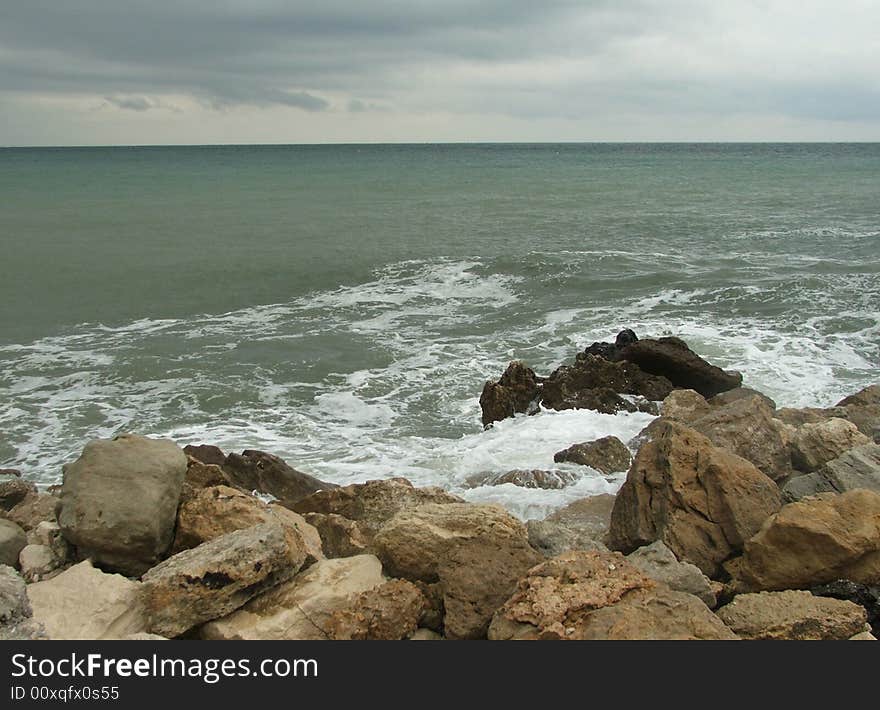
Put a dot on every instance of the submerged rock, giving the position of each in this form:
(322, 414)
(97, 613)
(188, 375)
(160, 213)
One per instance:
(515, 392)
(536, 478)
(265, 473)
(607, 455)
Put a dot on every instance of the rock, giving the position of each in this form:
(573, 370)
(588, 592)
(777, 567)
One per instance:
(515, 392)
(301, 608)
(581, 525)
(699, 499)
(747, 427)
(870, 395)
(673, 359)
(792, 616)
(864, 636)
(206, 454)
(816, 444)
(373, 503)
(548, 480)
(212, 512)
(730, 396)
(813, 541)
(14, 604)
(37, 562)
(866, 596)
(10, 472)
(475, 552)
(201, 475)
(119, 501)
(14, 492)
(265, 473)
(593, 596)
(685, 406)
(658, 562)
(856, 468)
(217, 577)
(866, 417)
(12, 541)
(84, 603)
(607, 455)
(340, 537)
(389, 612)
(425, 635)
(33, 510)
(143, 636)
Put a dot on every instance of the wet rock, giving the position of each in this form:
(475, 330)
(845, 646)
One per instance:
(14, 492)
(10, 472)
(792, 616)
(699, 499)
(816, 444)
(206, 454)
(606, 455)
(658, 562)
(581, 525)
(856, 468)
(730, 396)
(12, 541)
(548, 480)
(389, 612)
(515, 392)
(685, 406)
(340, 537)
(119, 501)
(599, 596)
(868, 396)
(265, 473)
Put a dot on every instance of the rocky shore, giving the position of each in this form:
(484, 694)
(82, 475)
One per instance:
(737, 519)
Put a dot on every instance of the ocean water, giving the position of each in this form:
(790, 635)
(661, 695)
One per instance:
(342, 306)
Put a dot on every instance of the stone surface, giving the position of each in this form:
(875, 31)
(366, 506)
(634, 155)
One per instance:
(865, 595)
(14, 492)
(658, 562)
(606, 455)
(702, 501)
(37, 562)
(813, 541)
(33, 510)
(475, 552)
(685, 406)
(594, 595)
(389, 612)
(201, 475)
(12, 541)
(725, 398)
(84, 603)
(792, 616)
(206, 454)
(536, 478)
(581, 525)
(14, 604)
(515, 392)
(340, 537)
(425, 635)
(215, 578)
(373, 503)
(855, 468)
(301, 608)
(870, 395)
(258, 471)
(814, 445)
(119, 501)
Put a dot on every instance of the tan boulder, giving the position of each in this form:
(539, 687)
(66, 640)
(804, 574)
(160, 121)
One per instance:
(33, 509)
(685, 406)
(814, 445)
(595, 595)
(702, 501)
(606, 455)
(581, 525)
(389, 612)
(792, 616)
(340, 537)
(12, 541)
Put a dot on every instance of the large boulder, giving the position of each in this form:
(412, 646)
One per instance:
(12, 542)
(373, 503)
(389, 612)
(607, 455)
(598, 596)
(302, 608)
(856, 468)
(866, 596)
(702, 501)
(475, 552)
(340, 537)
(868, 396)
(217, 577)
(84, 603)
(685, 406)
(16, 622)
(119, 501)
(515, 392)
(581, 525)
(792, 616)
(258, 471)
(746, 427)
(658, 562)
(205, 453)
(14, 491)
(815, 540)
(814, 445)
(730, 396)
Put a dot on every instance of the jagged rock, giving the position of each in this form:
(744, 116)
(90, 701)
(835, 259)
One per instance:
(699, 499)
(746, 427)
(340, 537)
(548, 480)
(856, 468)
(866, 417)
(373, 503)
(866, 596)
(33, 510)
(213, 512)
(597, 596)
(389, 612)
(206, 454)
(265, 473)
(730, 396)
(201, 475)
(12, 541)
(119, 501)
(792, 616)
(14, 492)
(816, 444)
(813, 541)
(14, 604)
(870, 395)
(581, 525)
(301, 608)
(217, 577)
(475, 552)
(685, 406)
(515, 392)
(607, 455)
(658, 562)
(84, 603)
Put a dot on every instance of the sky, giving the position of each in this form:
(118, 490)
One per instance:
(135, 72)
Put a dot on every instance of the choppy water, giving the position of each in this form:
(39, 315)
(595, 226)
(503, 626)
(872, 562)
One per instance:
(342, 306)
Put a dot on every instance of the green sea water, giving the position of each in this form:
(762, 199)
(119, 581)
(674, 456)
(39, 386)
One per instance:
(341, 306)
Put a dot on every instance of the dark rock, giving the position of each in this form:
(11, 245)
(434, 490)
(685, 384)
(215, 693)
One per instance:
(867, 596)
(607, 455)
(10, 472)
(868, 396)
(515, 392)
(259, 471)
(14, 492)
(205, 453)
(625, 337)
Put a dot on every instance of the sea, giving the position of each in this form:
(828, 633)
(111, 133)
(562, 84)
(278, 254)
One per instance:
(341, 306)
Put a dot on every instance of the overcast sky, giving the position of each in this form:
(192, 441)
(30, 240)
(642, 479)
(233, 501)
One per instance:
(284, 71)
